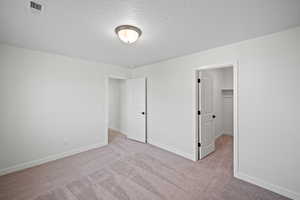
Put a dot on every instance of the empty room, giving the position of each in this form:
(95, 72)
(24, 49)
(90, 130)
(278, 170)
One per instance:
(149, 100)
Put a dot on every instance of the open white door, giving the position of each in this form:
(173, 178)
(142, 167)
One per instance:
(136, 89)
(205, 119)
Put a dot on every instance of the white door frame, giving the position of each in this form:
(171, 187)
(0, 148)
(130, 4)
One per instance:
(106, 117)
(235, 67)
(106, 109)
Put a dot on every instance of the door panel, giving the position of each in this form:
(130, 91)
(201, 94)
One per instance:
(136, 90)
(205, 120)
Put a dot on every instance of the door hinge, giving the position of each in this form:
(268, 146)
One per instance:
(199, 80)
(199, 144)
(199, 112)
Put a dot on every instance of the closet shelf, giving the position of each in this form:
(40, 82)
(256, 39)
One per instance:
(227, 89)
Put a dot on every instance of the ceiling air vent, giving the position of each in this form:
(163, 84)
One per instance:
(35, 6)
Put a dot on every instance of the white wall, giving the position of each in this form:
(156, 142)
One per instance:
(50, 106)
(269, 97)
(116, 103)
(227, 77)
(227, 109)
(222, 100)
(227, 101)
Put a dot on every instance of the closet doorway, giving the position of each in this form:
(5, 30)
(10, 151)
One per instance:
(216, 109)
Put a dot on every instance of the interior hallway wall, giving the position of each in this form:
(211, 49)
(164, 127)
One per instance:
(116, 103)
(269, 99)
(222, 100)
(227, 101)
(51, 106)
(228, 78)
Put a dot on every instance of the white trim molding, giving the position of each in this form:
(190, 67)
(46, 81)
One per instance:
(118, 130)
(269, 186)
(171, 149)
(106, 109)
(34, 163)
(235, 66)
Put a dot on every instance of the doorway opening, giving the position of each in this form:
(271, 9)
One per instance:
(126, 110)
(116, 109)
(216, 112)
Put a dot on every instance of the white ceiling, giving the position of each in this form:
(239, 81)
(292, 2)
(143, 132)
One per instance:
(85, 28)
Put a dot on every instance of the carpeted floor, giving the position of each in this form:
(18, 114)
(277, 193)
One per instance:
(126, 170)
(113, 134)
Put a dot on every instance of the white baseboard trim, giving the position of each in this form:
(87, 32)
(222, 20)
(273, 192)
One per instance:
(33, 163)
(218, 135)
(269, 186)
(114, 129)
(228, 133)
(118, 130)
(172, 149)
(224, 133)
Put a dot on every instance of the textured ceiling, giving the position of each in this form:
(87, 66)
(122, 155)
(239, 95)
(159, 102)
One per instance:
(85, 28)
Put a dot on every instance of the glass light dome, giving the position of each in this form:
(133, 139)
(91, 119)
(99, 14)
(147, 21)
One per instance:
(128, 34)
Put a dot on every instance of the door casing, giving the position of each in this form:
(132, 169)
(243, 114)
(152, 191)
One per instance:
(107, 104)
(235, 67)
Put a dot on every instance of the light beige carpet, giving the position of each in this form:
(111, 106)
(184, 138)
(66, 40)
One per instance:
(113, 134)
(127, 170)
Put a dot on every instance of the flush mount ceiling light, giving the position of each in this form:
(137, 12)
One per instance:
(128, 34)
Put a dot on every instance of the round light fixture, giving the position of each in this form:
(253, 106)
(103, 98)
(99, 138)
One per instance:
(128, 34)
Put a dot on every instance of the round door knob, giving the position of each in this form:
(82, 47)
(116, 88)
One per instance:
(143, 113)
(214, 116)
